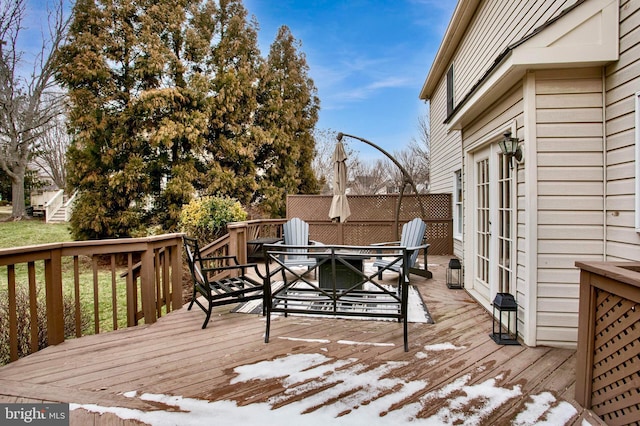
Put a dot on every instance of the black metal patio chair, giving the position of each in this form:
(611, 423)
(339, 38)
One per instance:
(222, 280)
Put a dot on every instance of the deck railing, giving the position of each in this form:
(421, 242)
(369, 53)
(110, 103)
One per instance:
(87, 271)
(241, 232)
(608, 355)
(148, 270)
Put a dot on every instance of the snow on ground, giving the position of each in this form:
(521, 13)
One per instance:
(350, 393)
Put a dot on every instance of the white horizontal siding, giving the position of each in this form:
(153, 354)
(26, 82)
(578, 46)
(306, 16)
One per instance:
(619, 219)
(570, 171)
(620, 205)
(563, 261)
(577, 173)
(549, 321)
(554, 335)
(445, 149)
(552, 145)
(621, 251)
(558, 305)
(621, 82)
(570, 232)
(567, 217)
(570, 204)
(496, 25)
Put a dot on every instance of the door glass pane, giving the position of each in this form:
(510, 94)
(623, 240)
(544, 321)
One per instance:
(483, 225)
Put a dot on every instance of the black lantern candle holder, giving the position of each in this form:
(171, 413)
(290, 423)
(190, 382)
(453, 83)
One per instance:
(505, 303)
(454, 274)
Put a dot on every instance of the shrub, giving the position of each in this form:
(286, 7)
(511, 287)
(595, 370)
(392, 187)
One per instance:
(206, 218)
(24, 324)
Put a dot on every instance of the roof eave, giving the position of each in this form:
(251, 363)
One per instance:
(462, 15)
(596, 23)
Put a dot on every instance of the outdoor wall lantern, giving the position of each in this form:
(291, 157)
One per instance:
(510, 147)
(454, 274)
(505, 303)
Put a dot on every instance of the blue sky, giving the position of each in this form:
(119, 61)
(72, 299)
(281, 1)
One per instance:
(368, 59)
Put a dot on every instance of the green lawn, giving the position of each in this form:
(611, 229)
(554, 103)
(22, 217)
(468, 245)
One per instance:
(35, 232)
(32, 232)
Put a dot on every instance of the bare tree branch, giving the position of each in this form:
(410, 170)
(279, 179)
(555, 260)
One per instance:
(369, 178)
(51, 153)
(28, 103)
(325, 144)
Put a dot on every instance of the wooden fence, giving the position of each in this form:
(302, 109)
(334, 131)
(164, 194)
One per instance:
(608, 356)
(373, 219)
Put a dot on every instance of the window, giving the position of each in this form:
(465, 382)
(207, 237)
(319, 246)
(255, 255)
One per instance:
(450, 91)
(637, 165)
(457, 204)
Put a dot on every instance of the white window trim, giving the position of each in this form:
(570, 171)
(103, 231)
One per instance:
(458, 220)
(637, 163)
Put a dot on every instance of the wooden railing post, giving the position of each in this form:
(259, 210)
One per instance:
(53, 286)
(13, 314)
(584, 353)
(147, 285)
(176, 274)
(131, 283)
(238, 241)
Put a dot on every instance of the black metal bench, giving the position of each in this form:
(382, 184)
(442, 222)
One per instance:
(343, 288)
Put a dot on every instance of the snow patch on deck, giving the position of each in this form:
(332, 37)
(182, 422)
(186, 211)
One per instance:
(319, 390)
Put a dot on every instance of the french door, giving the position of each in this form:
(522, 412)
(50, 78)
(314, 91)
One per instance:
(493, 222)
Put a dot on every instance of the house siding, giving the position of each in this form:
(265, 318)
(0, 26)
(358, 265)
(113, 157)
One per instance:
(570, 172)
(496, 25)
(622, 81)
(445, 151)
(486, 38)
(445, 146)
(576, 189)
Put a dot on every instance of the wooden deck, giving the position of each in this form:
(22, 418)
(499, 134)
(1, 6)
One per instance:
(315, 370)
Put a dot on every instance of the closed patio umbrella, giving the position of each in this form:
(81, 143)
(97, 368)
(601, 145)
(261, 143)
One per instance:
(339, 204)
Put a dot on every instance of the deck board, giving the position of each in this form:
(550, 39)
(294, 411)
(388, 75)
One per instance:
(175, 356)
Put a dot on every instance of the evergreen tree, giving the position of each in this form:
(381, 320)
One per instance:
(232, 138)
(288, 112)
(171, 99)
(134, 114)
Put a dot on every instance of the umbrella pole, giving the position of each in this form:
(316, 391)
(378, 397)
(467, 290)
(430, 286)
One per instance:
(406, 179)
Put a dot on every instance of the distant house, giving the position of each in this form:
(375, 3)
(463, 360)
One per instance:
(564, 78)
